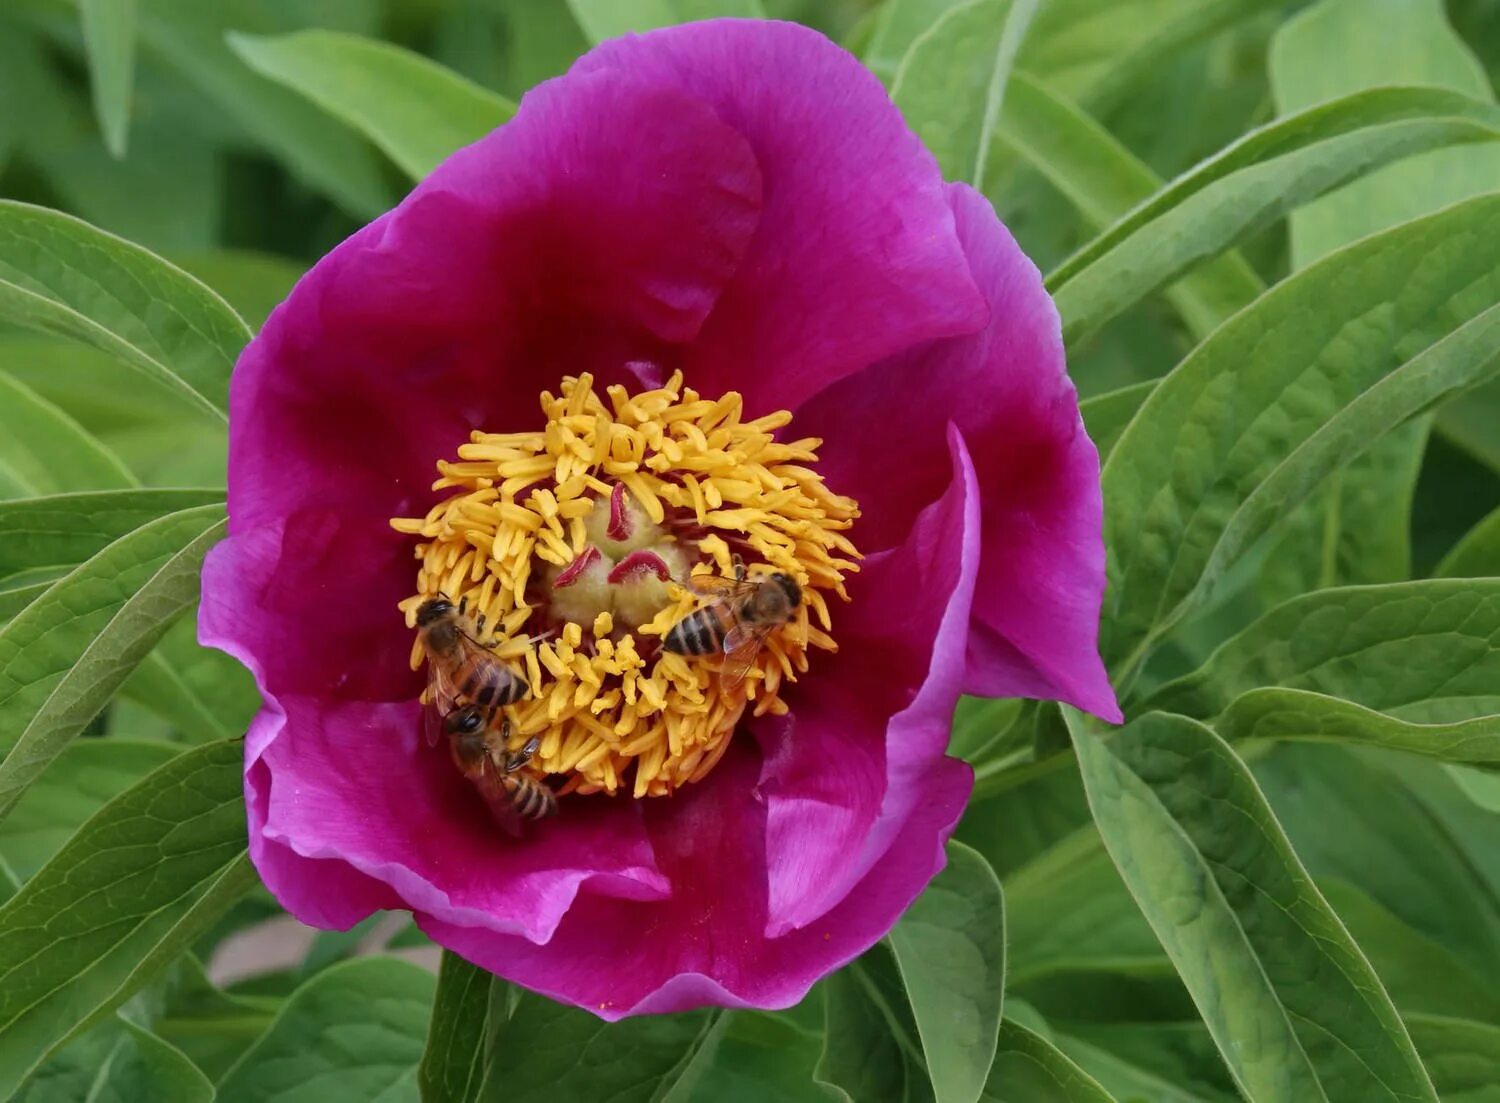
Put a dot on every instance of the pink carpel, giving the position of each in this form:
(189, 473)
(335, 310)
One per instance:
(619, 526)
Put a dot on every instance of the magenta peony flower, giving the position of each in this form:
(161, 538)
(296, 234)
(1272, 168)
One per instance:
(705, 297)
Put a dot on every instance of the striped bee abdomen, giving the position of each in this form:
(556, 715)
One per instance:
(491, 685)
(530, 798)
(699, 633)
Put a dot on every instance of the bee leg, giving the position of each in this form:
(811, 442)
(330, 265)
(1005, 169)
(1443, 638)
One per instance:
(739, 568)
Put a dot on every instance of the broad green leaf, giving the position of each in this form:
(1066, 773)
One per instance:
(130, 890)
(1462, 1056)
(1470, 424)
(1164, 1062)
(353, 1032)
(1405, 647)
(604, 19)
(1104, 180)
(766, 1058)
(210, 1026)
(62, 276)
(871, 1047)
(1273, 713)
(415, 110)
(1030, 1069)
(1351, 819)
(1252, 183)
(253, 283)
(1477, 555)
(979, 722)
(1293, 1005)
(952, 81)
(571, 1054)
(63, 529)
(62, 658)
(1345, 351)
(189, 37)
(109, 37)
(950, 950)
(85, 777)
(452, 1065)
(49, 450)
(19, 591)
(1105, 416)
(118, 1061)
(203, 692)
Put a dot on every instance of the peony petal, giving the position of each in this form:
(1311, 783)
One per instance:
(855, 257)
(1041, 581)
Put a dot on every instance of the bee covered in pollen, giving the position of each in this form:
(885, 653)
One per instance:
(742, 613)
(478, 751)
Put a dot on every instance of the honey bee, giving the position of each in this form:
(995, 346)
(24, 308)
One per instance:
(511, 795)
(461, 670)
(744, 611)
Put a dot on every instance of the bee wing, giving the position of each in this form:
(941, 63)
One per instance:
(741, 644)
(490, 781)
(432, 723)
(713, 585)
(442, 698)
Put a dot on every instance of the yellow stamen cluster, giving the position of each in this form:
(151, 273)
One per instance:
(702, 487)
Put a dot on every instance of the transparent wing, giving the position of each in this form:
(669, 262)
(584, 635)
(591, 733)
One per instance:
(442, 695)
(741, 645)
(432, 723)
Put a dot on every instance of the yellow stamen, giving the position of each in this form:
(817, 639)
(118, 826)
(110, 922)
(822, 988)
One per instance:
(531, 538)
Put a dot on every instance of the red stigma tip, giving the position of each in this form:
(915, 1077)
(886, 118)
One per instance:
(619, 521)
(639, 563)
(570, 574)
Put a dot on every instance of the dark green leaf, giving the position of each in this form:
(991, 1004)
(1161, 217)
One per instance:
(766, 1058)
(453, 1060)
(109, 36)
(1030, 1069)
(1345, 351)
(871, 1047)
(1293, 1005)
(1164, 1062)
(48, 450)
(137, 883)
(415, 110)
(1105, 416)
(950, 950)
(202, 692)
(64, 655)
(1477, 555)
(1463, 1057)
(64, 529)
(60, 275)
(352, 1033)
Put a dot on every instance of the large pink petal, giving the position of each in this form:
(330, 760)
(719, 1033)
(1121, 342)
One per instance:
(1041, 580)
(855, 257)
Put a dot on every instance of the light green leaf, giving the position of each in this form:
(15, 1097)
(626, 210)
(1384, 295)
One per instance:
(85, 777)
(951, 83)
(453, 1060)
(1463, 1057)
(571, 1054)
(1250, 184)
(352, 1033)
(109, 38)
(50, 451)
(1477, 555)
(63, 529)
(1105, 416)
(415, 110)
(1104, 180)
(950, 951)
(201, 691)
(898, 24)
(605, 19)
(871, 1047)
(18, 591)
(1030, 1069)
(62, 658)
(1406, 646)
(1273, 713)
(1345, 351)
(62, 276)
(253, 283)
(153, 869)
(1295, 1009)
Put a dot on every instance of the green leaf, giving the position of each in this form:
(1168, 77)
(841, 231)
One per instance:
(1405, 647)
(453, 1060)
(571, 1054)
(1293, 1005)
(253, 283)
(132, 888)
(62, 658)
(1477, 555)
(18, 591)
(871, 1046)
(211, 1027)
(415, 110)
(767, 1058)
(62, 276)
(109, 37)
(63, 529)
(118, 1061)
(605, 19)
(1345, 351)
(202, 692)
(951, 83)
(1250, 184)
(1105, 416)
(50, 451)
(1104, 180)
(950, 950)
(85, 777)
(1030, 1069)
(1462, 1056)
(1164, 1062)
(354, 1032)
(898, 24)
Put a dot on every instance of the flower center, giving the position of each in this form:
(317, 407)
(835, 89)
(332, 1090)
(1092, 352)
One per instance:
(574, 550)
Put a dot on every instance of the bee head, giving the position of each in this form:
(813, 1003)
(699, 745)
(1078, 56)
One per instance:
(792, 591)
(464, 721)
(433, 610)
